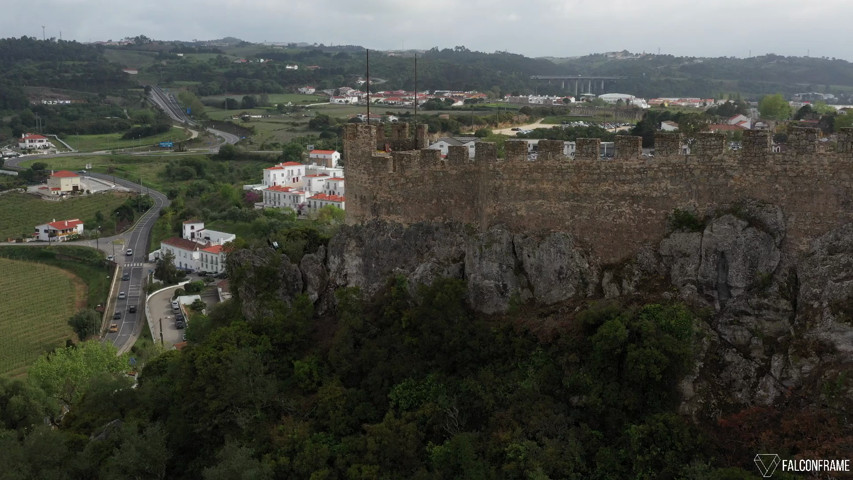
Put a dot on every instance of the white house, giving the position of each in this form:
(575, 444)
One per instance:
(343, 99)
(33, 141)
(185, 252)
(444, 142)
(320, 200)
(281, 197)
(326, 158)
(194, 230)
(314, 182)
(59, 231)
(668, 126)
(334, 186)
(63, 181)
(288, 174)
(212, 259)
(306, 90)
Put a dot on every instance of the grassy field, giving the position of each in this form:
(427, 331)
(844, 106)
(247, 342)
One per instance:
(113, 141)
(21, 212)
(37, 301)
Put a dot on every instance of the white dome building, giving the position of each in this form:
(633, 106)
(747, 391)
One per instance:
(626, 99)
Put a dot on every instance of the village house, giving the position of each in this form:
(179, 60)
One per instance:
(288, 174)
(326, 158)
(29, 141)
(63, 181)
(283, 197)
(200, 249)
(443, 143)
(60, 231)
(320, 200)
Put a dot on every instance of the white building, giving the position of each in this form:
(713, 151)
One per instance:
(281, 197)
(334, 186)
(626, 99)
(194, 230)
(314, 182)
(326, 158)
(63, 181)
(287, 174)
(444, 143)
(60, 231)
(201, 249)
(33, 141)
(320, 200)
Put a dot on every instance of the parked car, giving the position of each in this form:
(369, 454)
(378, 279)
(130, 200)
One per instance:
(179, 324)
(110, 258)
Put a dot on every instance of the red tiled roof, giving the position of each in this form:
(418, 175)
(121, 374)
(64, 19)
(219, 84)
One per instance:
(31, 136)
(279, 188)
(323, 152)
(64, 174)
(338, 179)
(181, 243)
(282, 165)
(192, 220)
(315, 175)
(213, 249)
(328, 198)
(65, 224)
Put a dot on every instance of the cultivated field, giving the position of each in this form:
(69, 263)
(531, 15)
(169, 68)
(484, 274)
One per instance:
(113, 141)
(37, 302)
(21, 212)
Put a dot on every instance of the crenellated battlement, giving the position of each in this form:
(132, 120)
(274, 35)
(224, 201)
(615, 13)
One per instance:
(615, 204)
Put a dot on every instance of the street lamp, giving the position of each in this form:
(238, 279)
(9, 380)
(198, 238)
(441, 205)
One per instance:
(98, 239)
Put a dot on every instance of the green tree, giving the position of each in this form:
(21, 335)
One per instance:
(85, 323)
(774, 107)
(292, 152)
(166, 270)
(65, 373)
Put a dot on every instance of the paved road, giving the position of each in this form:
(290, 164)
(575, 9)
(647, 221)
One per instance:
(137, 240)
(166, 102)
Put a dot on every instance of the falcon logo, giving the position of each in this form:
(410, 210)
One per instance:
(767, 463)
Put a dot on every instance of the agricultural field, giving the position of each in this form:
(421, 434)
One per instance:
(21, 212)
(113, 141)
(37, 301)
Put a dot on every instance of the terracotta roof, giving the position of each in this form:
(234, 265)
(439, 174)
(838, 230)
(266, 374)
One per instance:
(282, 165)
(213, 249)
(31, 136)
(64, 174)
(339, 179)
(181, 243)
(65, 224)
(279, 188)
(323, 152)
(328, 198)
(315, 175)
(192, 220)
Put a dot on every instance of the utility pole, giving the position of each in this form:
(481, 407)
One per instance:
(42, 33)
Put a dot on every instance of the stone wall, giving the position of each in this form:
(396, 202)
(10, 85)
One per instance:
(612, 206)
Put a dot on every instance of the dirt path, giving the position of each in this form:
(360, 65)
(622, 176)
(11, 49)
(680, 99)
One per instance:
(529, 126)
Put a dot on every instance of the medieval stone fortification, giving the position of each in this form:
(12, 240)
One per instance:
(612, 207)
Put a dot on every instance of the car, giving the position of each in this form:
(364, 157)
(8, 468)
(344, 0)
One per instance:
(131, 309)
(110, 258)
(113, 327)
(125, 276)
(179, 316)
(129, 252)
(122, 295)
(179, 324)
(117, 316)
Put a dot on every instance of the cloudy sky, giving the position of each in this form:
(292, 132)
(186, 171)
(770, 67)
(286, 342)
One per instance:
(530, 27)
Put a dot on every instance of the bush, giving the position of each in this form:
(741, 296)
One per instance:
(686, 221)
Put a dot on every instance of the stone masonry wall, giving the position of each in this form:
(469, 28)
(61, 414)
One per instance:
(614, 206)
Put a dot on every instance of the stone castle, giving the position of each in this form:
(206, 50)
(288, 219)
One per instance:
(612, 206)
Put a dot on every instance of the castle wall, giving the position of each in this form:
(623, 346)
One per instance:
(612, 206)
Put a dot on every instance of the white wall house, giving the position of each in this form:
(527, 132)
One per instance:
(194, 230)
(443, 143)
(314, 182)
(320, 200)
(201, 249)
(59, 231)
(326, 158)
(287, 174)
(334, 186)
(31, 140)
(281, 197)
(186, 252)
(212, 259)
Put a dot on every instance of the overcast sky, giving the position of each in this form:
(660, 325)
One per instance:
(534, 28)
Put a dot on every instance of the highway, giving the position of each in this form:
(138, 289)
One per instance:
(167, 102)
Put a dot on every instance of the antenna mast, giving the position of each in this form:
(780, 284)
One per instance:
(416, 102)
(367, 58)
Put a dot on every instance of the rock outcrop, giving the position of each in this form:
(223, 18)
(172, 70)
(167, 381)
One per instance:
(773, 320)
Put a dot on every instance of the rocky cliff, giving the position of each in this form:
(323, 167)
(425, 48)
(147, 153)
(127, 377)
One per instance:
(774, 326)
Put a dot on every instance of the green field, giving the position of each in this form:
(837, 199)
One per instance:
(37, 301)
(113, 141)
(21, 212)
